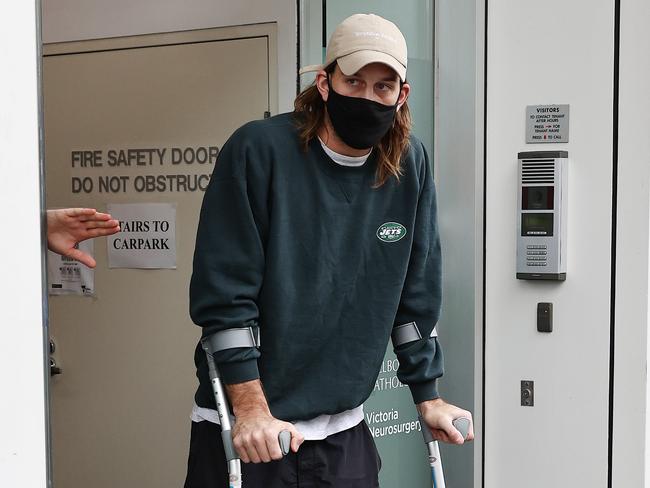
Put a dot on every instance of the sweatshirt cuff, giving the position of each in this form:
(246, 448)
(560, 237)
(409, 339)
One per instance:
(239, 371)
(422, 392)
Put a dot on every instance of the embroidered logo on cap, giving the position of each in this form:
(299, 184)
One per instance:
(391, 232)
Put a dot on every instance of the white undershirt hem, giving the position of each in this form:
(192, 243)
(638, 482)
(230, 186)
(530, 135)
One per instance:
(314, 430)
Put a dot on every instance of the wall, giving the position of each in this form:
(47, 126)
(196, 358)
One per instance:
(23, 456)
(72, 20)
(631, 339)
(459, 179)
(543, 53)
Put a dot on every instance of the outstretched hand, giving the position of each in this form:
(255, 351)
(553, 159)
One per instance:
(67, 227)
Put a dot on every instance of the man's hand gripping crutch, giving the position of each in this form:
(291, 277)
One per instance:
(461, 422)
(243, 337)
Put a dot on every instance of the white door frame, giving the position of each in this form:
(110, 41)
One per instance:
(23, 409)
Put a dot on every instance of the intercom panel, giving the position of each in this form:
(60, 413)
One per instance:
(542, 215)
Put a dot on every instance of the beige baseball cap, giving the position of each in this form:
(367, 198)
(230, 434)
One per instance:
(362, 39)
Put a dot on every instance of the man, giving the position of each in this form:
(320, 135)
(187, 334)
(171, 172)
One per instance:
(319, 226)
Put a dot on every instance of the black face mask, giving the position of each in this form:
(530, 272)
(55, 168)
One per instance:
(359, 122)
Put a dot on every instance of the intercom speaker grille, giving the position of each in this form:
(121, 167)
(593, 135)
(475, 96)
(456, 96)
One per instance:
(537, 171)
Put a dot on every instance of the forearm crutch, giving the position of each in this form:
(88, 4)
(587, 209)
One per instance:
(403, 334)
(245, 337)
(462, 425)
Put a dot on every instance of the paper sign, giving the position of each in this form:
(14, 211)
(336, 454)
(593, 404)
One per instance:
(147, 237)
(67, 276)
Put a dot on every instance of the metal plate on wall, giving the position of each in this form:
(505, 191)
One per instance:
(547, 123)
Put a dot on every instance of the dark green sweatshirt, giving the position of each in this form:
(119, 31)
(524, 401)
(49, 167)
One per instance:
(324, 263)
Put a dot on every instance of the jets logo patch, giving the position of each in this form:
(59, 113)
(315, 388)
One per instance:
(391, 232)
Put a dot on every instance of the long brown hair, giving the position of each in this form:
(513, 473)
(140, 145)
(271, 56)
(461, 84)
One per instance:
(310, 108)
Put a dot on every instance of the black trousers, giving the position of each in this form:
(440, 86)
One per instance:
(348, 459)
